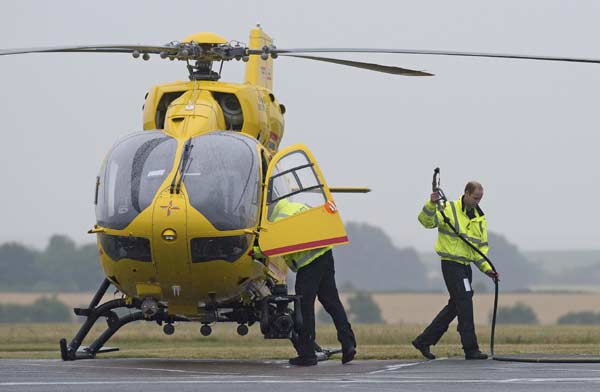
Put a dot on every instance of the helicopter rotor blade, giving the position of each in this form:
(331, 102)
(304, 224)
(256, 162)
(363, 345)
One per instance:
(278, 51)
(370, 66)
(225, 52)
(173, 50)
(93, 49)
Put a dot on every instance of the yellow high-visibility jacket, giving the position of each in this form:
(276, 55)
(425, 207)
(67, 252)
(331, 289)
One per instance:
(295, 261)
(448, 245)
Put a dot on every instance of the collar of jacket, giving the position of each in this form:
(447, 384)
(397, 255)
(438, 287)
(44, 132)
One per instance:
(463, 208)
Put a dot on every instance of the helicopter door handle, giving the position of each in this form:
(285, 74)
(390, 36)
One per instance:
(96, 229)
(255, 232)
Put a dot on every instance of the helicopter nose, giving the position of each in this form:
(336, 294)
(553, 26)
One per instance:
(169, 239)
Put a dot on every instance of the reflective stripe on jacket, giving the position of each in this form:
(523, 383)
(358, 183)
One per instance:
(448, 245)
(295, 261)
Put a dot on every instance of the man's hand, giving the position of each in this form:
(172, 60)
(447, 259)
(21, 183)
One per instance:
(493, 275)
(435, 196)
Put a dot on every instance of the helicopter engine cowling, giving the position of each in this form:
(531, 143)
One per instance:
(193, 113)
(232, 110)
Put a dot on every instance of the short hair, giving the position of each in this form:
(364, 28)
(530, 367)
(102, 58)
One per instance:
(472, 186)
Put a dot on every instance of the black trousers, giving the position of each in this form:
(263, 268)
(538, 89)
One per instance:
(460, 304)
(317, 280)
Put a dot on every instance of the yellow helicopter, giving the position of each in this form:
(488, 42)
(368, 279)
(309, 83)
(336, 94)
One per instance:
(180, 204)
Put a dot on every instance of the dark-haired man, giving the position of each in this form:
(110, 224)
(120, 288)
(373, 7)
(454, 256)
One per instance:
(469, 221)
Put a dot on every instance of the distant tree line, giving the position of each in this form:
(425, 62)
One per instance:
(519, 313)
(61, 266)
(372, 262)
(584, 275)
(516, 271)
(582, 318)
(43, 310)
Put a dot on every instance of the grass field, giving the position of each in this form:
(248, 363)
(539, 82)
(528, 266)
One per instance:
(146, 340)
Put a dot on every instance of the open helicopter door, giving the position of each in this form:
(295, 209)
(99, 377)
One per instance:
(294, 177)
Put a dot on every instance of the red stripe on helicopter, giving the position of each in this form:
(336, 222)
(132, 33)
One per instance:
(305, 245)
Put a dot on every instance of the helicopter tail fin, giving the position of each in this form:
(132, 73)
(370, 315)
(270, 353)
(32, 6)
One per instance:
(259, 72)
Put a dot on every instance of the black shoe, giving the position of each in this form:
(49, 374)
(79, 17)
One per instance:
(423, 349)
(348, 354)
(303, 361)
(475, 355)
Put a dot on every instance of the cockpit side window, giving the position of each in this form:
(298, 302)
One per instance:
(131, 176)
(294, 180)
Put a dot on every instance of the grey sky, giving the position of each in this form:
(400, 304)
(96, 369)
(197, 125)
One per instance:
(526, 130)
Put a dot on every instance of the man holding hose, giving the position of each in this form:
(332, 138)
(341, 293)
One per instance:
(469, 221)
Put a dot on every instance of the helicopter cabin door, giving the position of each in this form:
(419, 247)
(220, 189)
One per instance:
(298, 212)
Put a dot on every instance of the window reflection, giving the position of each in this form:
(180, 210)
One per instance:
(223, 179)
(295, 180)
(131, 175)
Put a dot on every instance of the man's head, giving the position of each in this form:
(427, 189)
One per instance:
(473, 194)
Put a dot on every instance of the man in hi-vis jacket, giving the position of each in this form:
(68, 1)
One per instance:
(315, 278)
(469, 221)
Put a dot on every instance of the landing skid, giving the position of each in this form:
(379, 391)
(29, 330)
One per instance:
(73, 350)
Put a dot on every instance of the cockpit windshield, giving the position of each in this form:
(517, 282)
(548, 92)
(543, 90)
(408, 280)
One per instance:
(133, 171)
(223, 179)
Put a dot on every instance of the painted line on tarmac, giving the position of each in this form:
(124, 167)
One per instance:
(391, 368)
(81, 366)
(324, 381)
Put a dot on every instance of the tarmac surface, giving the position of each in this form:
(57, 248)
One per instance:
(149, 375)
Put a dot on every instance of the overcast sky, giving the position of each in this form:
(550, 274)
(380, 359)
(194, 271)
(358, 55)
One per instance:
(527, 130)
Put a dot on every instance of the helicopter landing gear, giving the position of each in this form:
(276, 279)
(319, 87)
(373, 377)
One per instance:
(112, 319)
(93, 312)
(73, 350)
(277, 320)
(242, 330)
(169, 329)
(205, 330)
